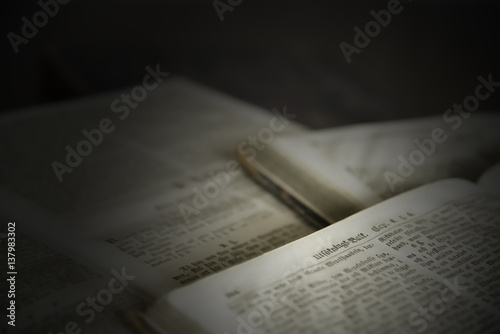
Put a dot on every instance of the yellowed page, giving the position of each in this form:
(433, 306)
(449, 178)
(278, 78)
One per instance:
(426, 260)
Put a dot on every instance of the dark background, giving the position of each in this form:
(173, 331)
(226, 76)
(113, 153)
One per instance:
(269, 53)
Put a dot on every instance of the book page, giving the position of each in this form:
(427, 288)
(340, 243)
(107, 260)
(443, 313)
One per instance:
(426, 260)
(364, 164)
(161, 194)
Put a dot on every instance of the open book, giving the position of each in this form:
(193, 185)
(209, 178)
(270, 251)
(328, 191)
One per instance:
(426, 260)
(161, 202)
